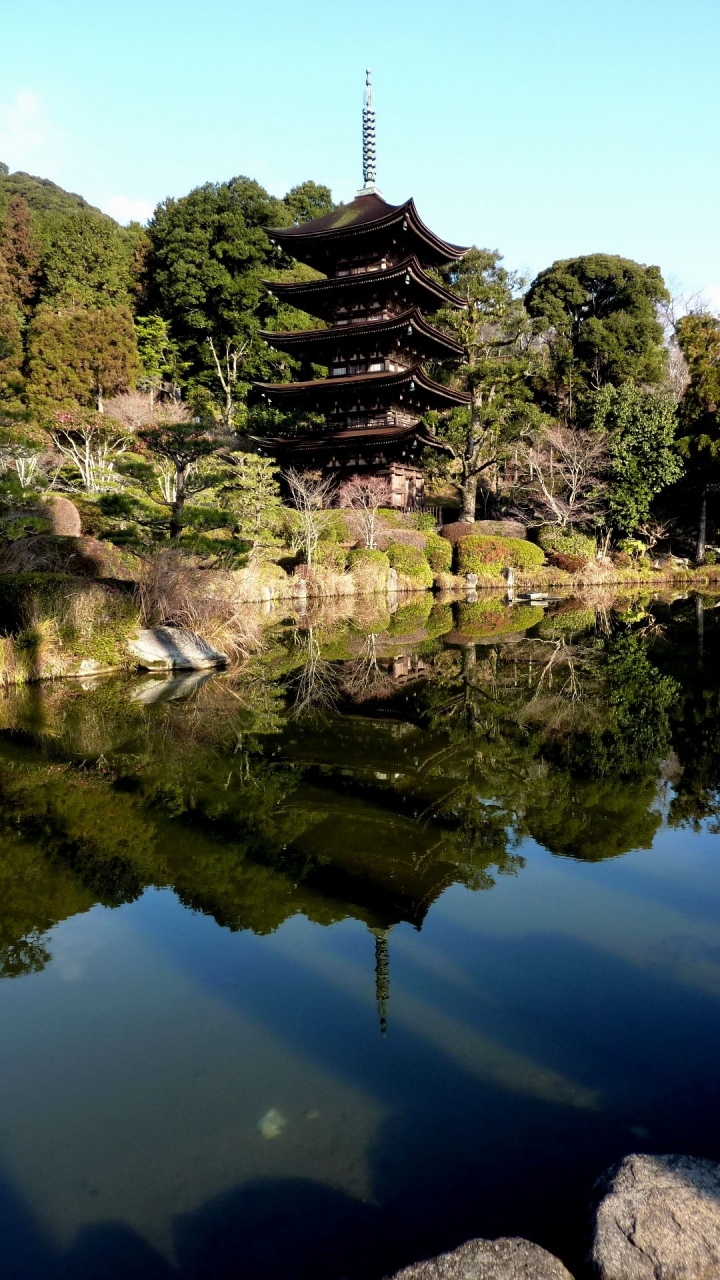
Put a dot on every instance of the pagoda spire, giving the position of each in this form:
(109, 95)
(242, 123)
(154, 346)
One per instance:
(368, 132)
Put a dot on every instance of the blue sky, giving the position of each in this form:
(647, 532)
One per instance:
(543, 128)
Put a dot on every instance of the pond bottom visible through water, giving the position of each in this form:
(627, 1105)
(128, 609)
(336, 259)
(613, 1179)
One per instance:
(316, 990)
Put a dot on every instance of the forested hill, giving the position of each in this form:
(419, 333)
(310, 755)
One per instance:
(42, 195)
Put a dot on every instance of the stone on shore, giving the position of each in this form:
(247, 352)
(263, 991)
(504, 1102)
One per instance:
(504, 1259)
(63, 516)
(658, 1218)
(173, 649)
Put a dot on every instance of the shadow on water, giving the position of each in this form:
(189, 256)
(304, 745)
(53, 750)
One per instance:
(421, 764)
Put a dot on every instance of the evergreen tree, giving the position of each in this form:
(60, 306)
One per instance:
(493, 329)
(643, 453)
(599, 315)
(11, 348)
(21, 251)
(80, 355)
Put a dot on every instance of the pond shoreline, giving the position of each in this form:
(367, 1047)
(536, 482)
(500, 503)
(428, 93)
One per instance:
(65, 627)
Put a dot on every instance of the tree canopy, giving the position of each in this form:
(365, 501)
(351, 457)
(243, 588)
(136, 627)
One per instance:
(600, 310)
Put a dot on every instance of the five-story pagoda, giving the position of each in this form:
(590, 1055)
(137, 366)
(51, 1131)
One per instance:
(373, 300)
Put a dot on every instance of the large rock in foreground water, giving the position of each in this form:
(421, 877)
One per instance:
(658, 1218)
(504, 1259)
(173, 649)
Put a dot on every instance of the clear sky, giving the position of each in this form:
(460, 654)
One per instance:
(543, 128)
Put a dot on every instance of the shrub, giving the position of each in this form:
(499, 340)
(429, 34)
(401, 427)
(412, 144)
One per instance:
(330, 555)
(571, 564)
(439, 553)
(424, 521)
(411, 563)
(458, 529)
(483, 528)
(710, 557)
(476, 554)
(335, 527)
(567, 542)
(369, 568)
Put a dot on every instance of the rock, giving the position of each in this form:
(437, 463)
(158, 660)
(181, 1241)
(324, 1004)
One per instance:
(63, 515)
(504, 1259)
(658, 1218)
(173, 649)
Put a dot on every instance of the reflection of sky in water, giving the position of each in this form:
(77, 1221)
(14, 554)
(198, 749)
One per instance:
(140, 1065)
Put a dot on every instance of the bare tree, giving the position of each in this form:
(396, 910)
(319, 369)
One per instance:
(228, 373)
(311, 493)
(90, 444)
(565, 474)
(132, 410)
(363, 495)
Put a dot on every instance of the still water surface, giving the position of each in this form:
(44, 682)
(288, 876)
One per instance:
(399, 936)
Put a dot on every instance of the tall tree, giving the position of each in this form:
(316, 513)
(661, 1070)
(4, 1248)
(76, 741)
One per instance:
(211, 257)
(644, 458)
(698, 337)
(86, 261)
(11, 346)
(80, 355)
(494, 332)
(21, 251)
(599, 313)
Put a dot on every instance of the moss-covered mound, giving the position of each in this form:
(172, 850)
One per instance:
(413, 570)
(480, 554)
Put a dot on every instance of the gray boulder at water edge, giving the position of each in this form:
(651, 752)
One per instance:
(173, 649)
(658, 1218)
(504, 1259)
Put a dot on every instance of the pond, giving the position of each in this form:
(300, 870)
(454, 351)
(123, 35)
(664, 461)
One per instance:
(399, 935)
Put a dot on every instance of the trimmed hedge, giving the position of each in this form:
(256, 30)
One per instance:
(439, 553)
(330, 555)
(411, 563)
(566, 542)
(476, 554)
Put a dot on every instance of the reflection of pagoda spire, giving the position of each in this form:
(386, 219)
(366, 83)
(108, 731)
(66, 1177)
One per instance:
(382, 975)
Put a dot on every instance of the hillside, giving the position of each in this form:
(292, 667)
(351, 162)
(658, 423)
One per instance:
(43, 196)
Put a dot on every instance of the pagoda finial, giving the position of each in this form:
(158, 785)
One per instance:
(368, 118)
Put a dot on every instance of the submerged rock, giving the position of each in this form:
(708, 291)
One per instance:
(504, 1259)
(272, 1123)
(658, 1218)
(173, 649)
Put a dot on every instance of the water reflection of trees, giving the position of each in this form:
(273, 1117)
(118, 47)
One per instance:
(355, 771)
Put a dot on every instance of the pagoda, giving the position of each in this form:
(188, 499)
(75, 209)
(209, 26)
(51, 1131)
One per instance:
(373, 299)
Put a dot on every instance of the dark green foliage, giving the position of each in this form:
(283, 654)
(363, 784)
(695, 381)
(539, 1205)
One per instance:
(80, 355)
(210, 258)
(476, 553)
(601, 310)
(643, 453)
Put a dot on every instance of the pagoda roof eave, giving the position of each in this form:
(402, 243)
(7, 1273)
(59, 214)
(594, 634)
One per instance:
(365, 215)
(350, 438)
(290, 338)
(365, 279)
(339, 387)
